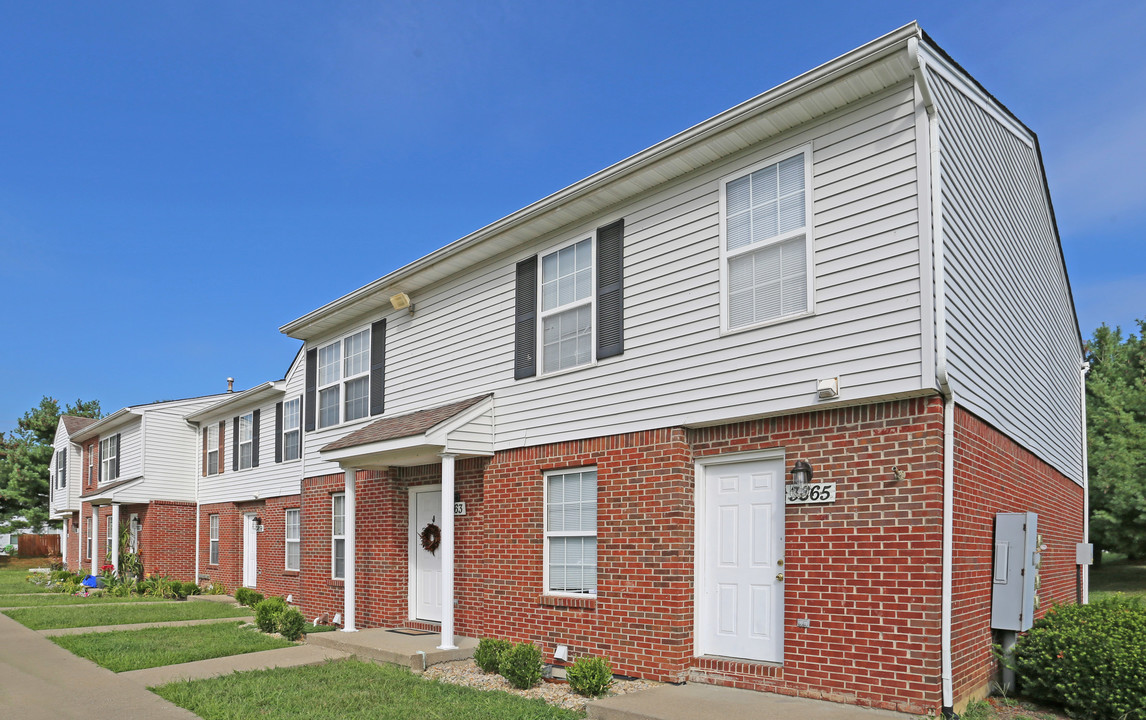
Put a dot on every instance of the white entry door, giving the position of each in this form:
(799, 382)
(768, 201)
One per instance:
(425, 566)
(740, 557)
(250, 550)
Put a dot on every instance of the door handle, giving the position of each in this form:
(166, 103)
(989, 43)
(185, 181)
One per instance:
(780, 577)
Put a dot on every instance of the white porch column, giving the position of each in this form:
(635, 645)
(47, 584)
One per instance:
(349, 582)
(64, 539)
(115, 538)
(447, 552)
(95, 539)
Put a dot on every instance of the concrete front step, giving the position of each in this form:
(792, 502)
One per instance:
(416, 652)
(684, 702)
(264, 660)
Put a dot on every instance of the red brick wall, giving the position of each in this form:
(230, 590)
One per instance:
(74, 541)
(272, 577)
(994, 474)
(864, 570)
(167, 540)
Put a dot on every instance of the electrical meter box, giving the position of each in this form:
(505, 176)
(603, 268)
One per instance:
(1015, 581)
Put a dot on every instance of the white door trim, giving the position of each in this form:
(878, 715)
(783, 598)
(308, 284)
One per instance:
(251, 550)
(700, 467)
(412, 547)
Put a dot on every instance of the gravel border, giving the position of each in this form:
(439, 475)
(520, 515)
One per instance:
(468, 674)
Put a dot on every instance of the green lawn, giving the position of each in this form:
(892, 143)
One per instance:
(41, 618)
(348, 689)
(1116, 574)
(45, 599)
(12, 582)
(123, 650)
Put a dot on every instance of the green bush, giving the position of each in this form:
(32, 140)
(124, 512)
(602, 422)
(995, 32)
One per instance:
(1088, 659)
(521, 665)
(215, 588)
(248, 597)
(190, 588)
(590, 676)
(488, 654)
(267, 614)
(291, 623)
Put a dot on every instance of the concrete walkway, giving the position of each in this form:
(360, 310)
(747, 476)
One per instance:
(39, 679)
(685, 702)
(264, 660)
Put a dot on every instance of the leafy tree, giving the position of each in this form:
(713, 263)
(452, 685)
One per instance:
(1116, 429)
(25, 461)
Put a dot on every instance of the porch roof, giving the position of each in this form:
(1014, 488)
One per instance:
(416, 438)
(105, 494)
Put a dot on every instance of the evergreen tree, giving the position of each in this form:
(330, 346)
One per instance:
(26, 459)
(1116, 429)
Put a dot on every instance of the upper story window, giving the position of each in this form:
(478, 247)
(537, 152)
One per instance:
(91, 462)
(246, 441)
(767, 245)
(62, 469)
(211, 460)
(292, 436)
(567, 307)
(344, 380)
(109, 458)
(571, 532)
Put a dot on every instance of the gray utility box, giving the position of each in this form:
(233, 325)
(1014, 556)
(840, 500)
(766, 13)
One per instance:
(1015, 577)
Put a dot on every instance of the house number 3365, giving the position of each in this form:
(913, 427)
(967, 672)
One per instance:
(811, 493)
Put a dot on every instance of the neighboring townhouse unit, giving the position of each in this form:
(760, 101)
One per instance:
(65, 479)
(137, 474)
(575, 425)
(250, 471)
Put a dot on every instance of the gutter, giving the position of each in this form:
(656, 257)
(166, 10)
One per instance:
(941, 376)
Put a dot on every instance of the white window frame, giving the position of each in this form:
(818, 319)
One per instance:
(88, 538)
(342, 380)
(577, 533)
(590, 301)
(133, 532)
(106, 459)
(246, 431)
(213, 539)
(107, 540)
(212, 431)
(296, 429)
(91, 462)
(295, 541)
(336, 536)
(807, 231)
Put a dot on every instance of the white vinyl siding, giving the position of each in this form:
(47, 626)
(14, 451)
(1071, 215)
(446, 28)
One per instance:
(567, 307)
(292, 540)
(344, 380)
(213, 539)
(292, 435)
(766, 242)
(246, 440)
(571, 532)
(212, 448)
(1006, 287)
(338, 536)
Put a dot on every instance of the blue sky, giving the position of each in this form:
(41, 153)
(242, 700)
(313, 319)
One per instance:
(177, 180)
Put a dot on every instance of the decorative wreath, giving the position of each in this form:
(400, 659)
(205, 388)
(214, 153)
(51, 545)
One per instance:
(431, 537)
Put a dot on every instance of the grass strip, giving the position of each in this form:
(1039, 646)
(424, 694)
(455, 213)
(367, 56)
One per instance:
(1117, 575)
(42, 618)
(48, 599)
(348, 690)
(12, 581)
(123, 650)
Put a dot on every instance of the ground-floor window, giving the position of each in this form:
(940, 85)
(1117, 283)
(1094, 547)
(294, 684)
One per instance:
(213, 539)
(338, 537)
(292, 540)
(107, 540)
(571, 531)
(87, 539)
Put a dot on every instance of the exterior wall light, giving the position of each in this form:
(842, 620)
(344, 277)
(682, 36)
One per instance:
(401, 301)
(801, 472)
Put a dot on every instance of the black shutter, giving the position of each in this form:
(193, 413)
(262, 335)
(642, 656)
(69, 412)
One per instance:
(220, 463)
(378, 368)
(311, 387)
(118, 454)
(255, 438)
(610, 290)
(525, 327)
(278, 432)
(235, 443)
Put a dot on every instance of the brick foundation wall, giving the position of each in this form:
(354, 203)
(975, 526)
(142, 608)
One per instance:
(272, 577)
(994, 474)
(864, 570)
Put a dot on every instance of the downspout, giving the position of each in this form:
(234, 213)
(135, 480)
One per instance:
(198, 475)
(1084, 368)
(941, 376)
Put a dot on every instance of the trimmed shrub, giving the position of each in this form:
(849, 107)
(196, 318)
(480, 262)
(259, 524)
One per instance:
(291, 623)
(488, 654)
(590, 676)
(1088, 659)
(521, 665)
(248, 597)
(267, 614)
(190, 588)
(242, 595)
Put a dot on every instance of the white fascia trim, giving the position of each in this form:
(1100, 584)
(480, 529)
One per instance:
(110, 497)
(115, 420)
(820, 75)
(259, 392)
